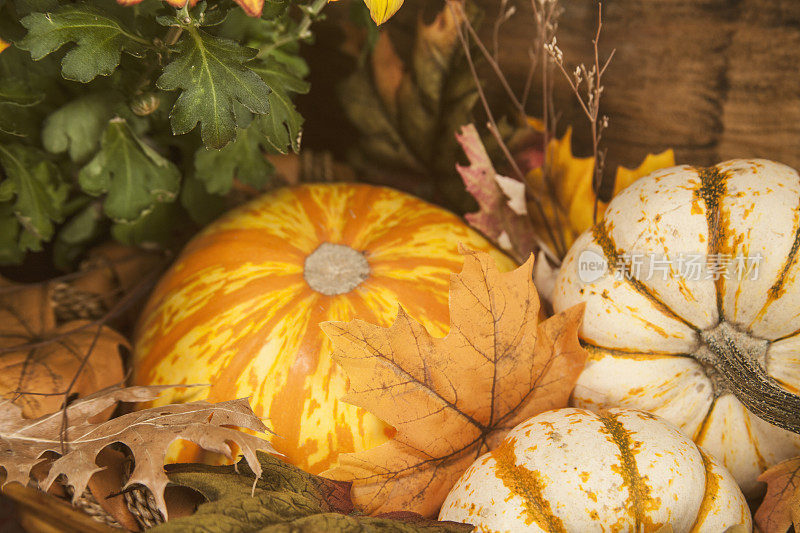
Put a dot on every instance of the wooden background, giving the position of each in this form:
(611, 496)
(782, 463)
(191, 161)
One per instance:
(713, 79)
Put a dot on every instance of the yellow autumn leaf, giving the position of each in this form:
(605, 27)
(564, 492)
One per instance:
(3, 45)
(382, 10)
(569, 205)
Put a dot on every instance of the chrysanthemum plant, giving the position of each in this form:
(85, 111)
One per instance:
(133, 118)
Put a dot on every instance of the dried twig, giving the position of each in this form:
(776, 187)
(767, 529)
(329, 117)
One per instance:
(458, 13)
(591, 78)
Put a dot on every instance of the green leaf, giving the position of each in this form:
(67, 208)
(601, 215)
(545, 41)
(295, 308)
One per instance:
(284, 499)
(134, 176)
(202, 206)
(78, 125)
(10, 252)
(212, 76)
(99, 40)
(76, 234)
(35, 192)
(283, 123)
(153, 230)
(16, 96)
(243, 159)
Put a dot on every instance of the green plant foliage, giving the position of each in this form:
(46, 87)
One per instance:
(212, 76)
(133, 175)
(77, 126)
(283, 499)
(134, 121)
(99, 40)
(32, 196)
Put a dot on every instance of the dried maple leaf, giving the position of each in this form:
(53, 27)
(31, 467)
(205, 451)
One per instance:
(502, 216)
(451, 399)
(568, 200)
(38, 360)
(147, 434)
(781, 506)
(285, 499)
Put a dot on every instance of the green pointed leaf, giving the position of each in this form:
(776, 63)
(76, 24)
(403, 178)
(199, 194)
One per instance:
(243, 159)
(283, 123)
(10, 252)
(17, 95)
(77, 126)
(134, 176)
(202, 206)
(212, 76)
(99, 40)
(284, 499)
(73, 238)
(35, 192)
(153, 230)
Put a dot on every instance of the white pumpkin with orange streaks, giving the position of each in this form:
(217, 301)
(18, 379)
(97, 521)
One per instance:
(707, 354)
(575, 470)
(240, 307)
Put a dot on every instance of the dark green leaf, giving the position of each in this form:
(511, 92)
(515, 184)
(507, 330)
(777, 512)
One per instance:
(10, 252)
(244, 159)
(16, 96)
(212, 76)
(76, 234)
(283, 123)
(77, 126)
(202, 206)
(35, 191)
(285, 499)
(99, 40)
(134, 176)
(153, 230)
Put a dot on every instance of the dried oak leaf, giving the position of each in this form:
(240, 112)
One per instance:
(147, 434)
(781, 506)
(502, 216)
(35, 378)
(569, 198)
(451, 399)
(285, 499)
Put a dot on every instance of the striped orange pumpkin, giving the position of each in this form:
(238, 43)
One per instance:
(240, 307)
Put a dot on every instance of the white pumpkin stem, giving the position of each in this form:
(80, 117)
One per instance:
(738, 360)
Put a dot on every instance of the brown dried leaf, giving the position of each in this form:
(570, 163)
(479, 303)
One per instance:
(146, 433)
(451, 399)
(36, 378)
(781, 506)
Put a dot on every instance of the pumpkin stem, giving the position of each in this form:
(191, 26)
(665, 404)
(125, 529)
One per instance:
(334, 269)
(738, 360)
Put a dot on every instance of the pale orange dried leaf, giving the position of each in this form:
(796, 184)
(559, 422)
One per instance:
(781, 506)
(451, 399)
(36, 378)
(33, 378)
(147, 434)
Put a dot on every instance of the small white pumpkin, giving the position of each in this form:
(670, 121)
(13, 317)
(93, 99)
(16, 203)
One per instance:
(717, 357)
(576, 470)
